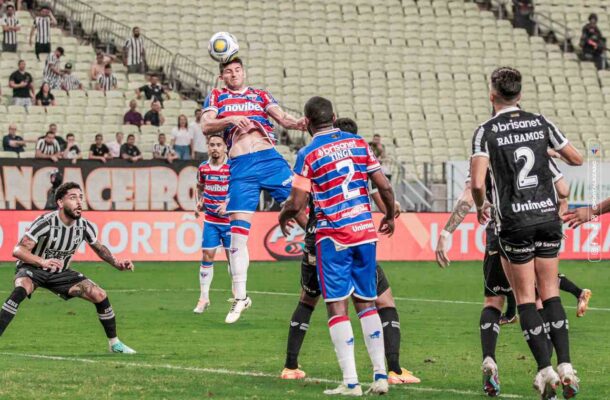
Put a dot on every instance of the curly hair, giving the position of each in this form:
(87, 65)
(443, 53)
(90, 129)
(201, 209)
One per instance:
(506, 81)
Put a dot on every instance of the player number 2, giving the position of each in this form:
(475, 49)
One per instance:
(523, 179)
(349, 164)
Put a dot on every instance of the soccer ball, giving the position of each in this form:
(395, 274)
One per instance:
(223, 47)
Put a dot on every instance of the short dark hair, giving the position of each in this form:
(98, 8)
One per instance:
(506, 81)
(107, 66)
(347, 125)
(593, 16)
(61, 50)
(131, 135)
(64, 188)
(319, 111)
(216, 135)
(222, 66)
(51, 132)
(69, 135)
(160, 134)
(99, 135)
(20, 61)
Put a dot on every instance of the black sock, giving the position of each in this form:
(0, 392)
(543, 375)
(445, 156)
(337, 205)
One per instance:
(558, 324)
(568, 286)
(106, 316)
(511, 305)
(547, 330)
(299, 323)
(533, 330)
(391, 337)
(10, 306)
(490, 329)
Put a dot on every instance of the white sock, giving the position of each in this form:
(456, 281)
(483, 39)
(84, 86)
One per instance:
(343, 338)
(113, 341)
(373, 338)
(240, 260)
(206, 274)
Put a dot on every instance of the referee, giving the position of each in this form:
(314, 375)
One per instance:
(133, 53)
(10, 27)
(42, 27)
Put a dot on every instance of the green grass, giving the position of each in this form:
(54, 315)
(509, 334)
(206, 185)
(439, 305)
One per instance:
(183, 356)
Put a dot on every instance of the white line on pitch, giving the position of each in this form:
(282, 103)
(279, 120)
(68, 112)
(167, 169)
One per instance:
(222, 371)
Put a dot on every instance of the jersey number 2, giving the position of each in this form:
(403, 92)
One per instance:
(523, 179)
(349, 164)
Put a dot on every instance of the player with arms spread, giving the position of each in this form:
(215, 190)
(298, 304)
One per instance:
(243, 114)
(44, 256)
(213, 186)
(335, 168)
(513, 147)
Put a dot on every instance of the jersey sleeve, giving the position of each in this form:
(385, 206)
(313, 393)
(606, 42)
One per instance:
(90, 233)
(268, 100)
(39, 229)
(301, 167)
(479, 143)
(211, 102)
(557, 175)
(372, 164)
(40, 144)
(200, 176)
(557, 140)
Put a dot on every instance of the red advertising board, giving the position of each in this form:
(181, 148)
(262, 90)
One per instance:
(176, 236)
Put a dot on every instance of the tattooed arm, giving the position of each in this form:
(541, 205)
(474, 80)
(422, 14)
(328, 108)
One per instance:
(105, 254)
(23, 252)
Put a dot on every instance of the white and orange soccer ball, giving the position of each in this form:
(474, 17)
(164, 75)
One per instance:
(223, 47)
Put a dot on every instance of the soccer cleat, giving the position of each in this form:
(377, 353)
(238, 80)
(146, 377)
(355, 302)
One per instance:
(120, 347)
(202, 305)
(505, 320)
(491, 382)
(404, 378)
(237, 308)
(546, 382)
(380, 386)
(345, 390)
(583, 302)
(296, 373)
(569, 380)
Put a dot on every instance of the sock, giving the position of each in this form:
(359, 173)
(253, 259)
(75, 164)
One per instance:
(547, 330)
(106, 316)
(568, 286)
(511, 305)
(373, 338)
(490, 329)
(533, 330)
(240, 259)
(343, 339)
(206, 274)
(299, 323)
(10, 306)
(558, 324)
(391, 337)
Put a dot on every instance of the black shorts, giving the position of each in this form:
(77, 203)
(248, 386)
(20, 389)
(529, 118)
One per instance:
(56, 282)
(42, 48)
(311, 285)
(9, 48)
(494, 279)
(522, 245)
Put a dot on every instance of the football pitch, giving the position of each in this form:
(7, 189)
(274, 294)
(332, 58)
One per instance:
(56, 349)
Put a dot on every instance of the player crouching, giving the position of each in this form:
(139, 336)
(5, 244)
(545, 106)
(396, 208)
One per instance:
(44, 254)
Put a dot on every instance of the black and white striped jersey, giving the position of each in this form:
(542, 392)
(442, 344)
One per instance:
(107, 82)
(135, 48)
(49, 75)
(70, 82)
(162, 150)
(48, 148)
(10, 37)
(516, 143)
(56, 240)
(43, 29)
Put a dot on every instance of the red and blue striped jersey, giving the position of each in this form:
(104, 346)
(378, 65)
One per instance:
(251, 103)
(338, 164)
(215, 181)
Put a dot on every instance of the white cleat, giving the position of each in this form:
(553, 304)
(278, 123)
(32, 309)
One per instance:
(120, 347)
(202, 305)
(569, 380)
(236, 309)
(380, 386)
(546, 382)
(345, 390)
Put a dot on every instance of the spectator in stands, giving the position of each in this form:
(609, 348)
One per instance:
(154, 116)
(52, 70)
(21, 83)
(134, 56)
(69, 81)
(10, 27)
(72, 151)
(42, 27)
(44, 97)
(377, 147)
(97, 67)
(60, 140)
(523, 11)
(48, 148)
(133, 117)
(592, 42)
(153, 90)
(98, 150)
(162, 151)
(200, 148)
(12, 141)
(129, 151)
(182, 141)
(115, 147)
(107, 81)
(28, 3)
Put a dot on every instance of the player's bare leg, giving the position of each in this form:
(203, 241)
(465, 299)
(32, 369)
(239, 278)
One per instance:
(239, 261)
(206, 275)
(391, 337)
(87, 290)
(23, 288)
(490, 329)
(299, 324)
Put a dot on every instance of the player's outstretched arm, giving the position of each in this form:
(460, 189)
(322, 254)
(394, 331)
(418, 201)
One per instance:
(579, 216)
(295, 204)
(478, 170)
(23, 252)
(105, 254)
(387, 198)
(286, 120)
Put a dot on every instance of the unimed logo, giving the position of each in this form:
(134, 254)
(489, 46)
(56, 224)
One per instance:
(285, 248)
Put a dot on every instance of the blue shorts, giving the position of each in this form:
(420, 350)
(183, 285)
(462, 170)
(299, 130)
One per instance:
(214, 235)
(347, 271)
(251, 173)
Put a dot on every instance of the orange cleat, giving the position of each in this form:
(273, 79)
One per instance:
(406, 377)
(583, 302)
(288, 373)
